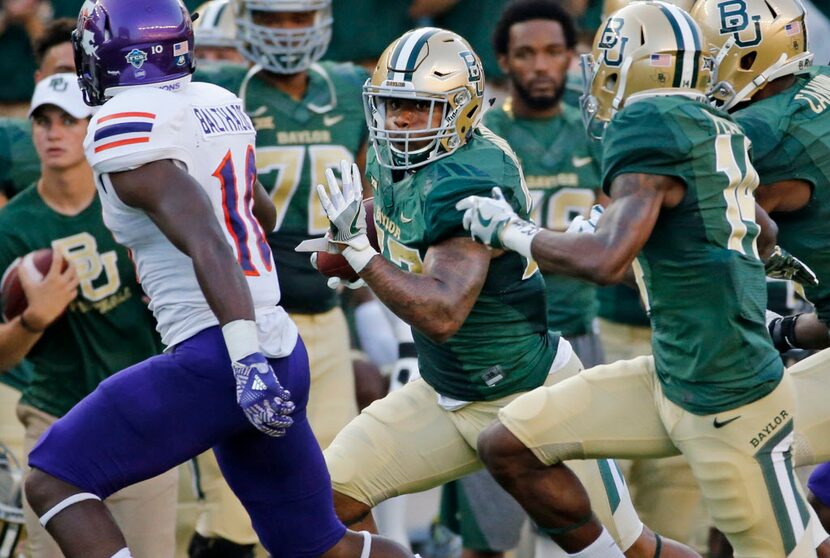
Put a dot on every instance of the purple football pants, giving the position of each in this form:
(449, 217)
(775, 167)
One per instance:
(819, 483)
(161, 412)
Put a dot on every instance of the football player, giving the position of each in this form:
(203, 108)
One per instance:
(479, 317)
(175, 168)
(765, 72)
(681, 183)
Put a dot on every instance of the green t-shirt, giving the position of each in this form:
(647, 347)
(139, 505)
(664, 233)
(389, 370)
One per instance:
(296, 142)
(19, 163)
(562, 174)
(704, 283)
(504, 345)
(105, 329)
(790, 135)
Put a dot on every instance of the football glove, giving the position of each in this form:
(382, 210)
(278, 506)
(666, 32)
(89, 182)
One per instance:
(493, 222)
(782, 331)
(346, 214)
(264, 401)
(783, 265)
(336, 282)
(582, 225)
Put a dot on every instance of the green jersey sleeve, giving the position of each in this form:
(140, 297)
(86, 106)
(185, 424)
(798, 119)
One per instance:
(641, 139)
(442, 219)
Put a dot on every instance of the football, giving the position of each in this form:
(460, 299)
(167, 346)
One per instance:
(11, 291)
(335, 265)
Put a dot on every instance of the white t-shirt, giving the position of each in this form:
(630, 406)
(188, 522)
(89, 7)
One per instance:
(204, 129)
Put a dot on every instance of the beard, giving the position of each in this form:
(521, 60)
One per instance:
(537, 102)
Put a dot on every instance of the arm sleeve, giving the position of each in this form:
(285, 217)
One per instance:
(133, 130)
(642, 139)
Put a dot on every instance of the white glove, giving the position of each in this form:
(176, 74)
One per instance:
(493, 222)
(337, 282)
(346, 214)
(582, 225)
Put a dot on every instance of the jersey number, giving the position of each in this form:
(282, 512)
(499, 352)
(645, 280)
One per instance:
(288, 164)
(740, 201)
(239, 217)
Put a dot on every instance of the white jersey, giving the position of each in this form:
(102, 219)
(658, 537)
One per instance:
(204, 129)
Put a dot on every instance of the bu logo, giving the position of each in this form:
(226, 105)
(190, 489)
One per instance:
(58, 84)
(473, 70)
(610, 41)
(734, 20)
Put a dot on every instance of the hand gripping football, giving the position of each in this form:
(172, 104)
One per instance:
(14, 299)
(335, 265)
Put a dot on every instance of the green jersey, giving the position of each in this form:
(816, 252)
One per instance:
(704, 283)
(504, 345)
(19, 163)
(105, 329)
(296, 142)
(790, 135)
(562, 175)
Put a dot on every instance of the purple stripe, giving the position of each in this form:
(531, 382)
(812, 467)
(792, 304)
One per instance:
(125, 128)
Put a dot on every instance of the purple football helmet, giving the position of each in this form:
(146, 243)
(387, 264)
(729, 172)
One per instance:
(124, 43)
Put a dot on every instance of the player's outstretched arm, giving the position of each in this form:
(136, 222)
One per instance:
(768, 234)
(603, 256)
(178, 206)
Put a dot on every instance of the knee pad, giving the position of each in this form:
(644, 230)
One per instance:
(215, 547)
(65, 503)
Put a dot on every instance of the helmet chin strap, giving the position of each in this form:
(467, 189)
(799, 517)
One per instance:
(782, 67)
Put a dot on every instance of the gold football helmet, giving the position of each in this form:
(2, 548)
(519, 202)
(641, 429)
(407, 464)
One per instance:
(644, 49)
(753, 42)
(434, 66)
(611, 6)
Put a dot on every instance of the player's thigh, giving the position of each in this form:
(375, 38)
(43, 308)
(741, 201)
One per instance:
(606, 411)
(222, 514)
(146, 514)
(811, 377)
(400, 444)
(285, 487)
(331, 402)
(745, 473)
(165, 409)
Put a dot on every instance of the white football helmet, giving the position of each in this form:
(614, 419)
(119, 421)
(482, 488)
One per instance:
(215, 26)
(434, 66)
(282, 50)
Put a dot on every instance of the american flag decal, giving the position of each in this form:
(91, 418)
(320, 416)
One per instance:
(123, 128)
(793, 28)
(180, 48)
(661, 60)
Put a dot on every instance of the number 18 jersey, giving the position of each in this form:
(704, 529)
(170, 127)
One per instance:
(203, 129)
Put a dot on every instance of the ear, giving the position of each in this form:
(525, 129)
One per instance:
(502, 60)
(38, 76)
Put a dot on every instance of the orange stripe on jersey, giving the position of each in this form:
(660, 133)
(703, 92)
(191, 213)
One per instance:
(128, 115)
(120, 143)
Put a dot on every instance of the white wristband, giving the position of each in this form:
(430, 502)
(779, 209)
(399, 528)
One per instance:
(359, 259)
(518, 235)
(241, 339)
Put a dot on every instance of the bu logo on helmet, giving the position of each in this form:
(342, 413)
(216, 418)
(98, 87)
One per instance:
(610, 39)
(734, 19)
(137, 58)
(473, 70)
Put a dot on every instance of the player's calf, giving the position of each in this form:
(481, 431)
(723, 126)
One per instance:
(78, 521)
(354, 513)
(551, 494)
(365, 545)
